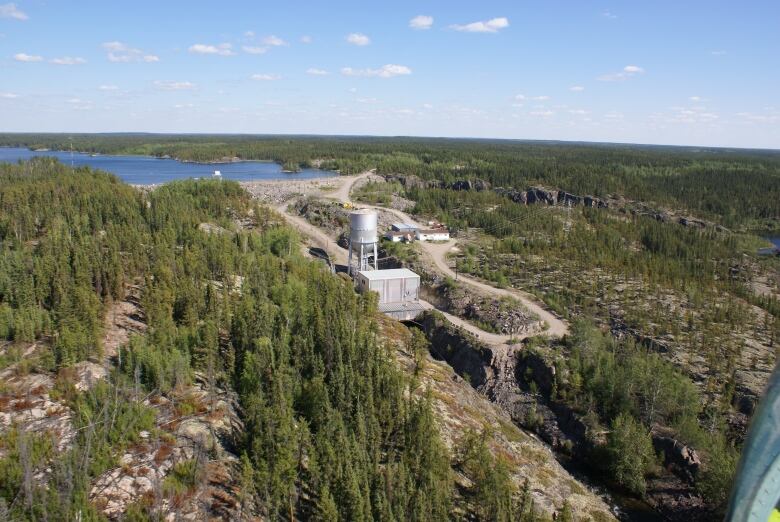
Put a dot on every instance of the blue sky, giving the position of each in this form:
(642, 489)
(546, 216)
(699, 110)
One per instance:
(670, 72)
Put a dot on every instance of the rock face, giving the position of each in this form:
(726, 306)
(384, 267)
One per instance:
(538, 195)
(477, 184)
(522, 381)
(411, 181)
(505, 316)
(206, 437)
(459, 407)
(679, 458)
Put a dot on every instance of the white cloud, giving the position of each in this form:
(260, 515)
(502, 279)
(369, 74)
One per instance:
(770, 116)
(68, 60)
(174, 86)
(119, 52)
(249, 34)
(274, 41)
(223, 49)
(696, 114)
(266, 77)
(23, 57)
(386, 71)
(358, 39)
(254, 50)
(11, 11)
(8, 95)
(718, 53)
(544, 114)
(316, 72)
(578, 112)
(489, 26)
(576, 88)
(696, 99)
(608, 14)
(627, 72)
(352, 89)
(421, 22)
(306, 39)
(108, 87)
(79, 104)
(521, 97)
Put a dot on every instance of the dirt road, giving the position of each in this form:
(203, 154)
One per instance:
(437, 252)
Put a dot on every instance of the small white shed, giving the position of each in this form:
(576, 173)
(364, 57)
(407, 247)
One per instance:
(433, 234)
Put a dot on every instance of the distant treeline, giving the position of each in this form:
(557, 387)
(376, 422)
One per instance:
(732, 186)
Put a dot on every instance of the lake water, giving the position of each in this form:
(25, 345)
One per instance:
(146, 170)
(775, 241)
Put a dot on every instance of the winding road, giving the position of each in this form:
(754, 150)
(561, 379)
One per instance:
(437, 252)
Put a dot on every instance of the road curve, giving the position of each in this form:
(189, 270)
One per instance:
(437, 252)
(557, 327)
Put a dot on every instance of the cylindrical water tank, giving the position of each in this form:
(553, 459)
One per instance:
(363, 226)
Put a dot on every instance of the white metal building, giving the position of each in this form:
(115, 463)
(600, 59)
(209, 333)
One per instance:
(433, 234)
(398, 289)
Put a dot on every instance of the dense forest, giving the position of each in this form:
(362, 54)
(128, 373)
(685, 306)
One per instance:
(675, 327)
(331, 431)
(734, 187)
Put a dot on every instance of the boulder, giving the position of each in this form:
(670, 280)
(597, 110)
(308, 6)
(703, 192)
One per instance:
(682, 460)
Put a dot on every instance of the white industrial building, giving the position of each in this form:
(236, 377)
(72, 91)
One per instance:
(433, 234)
(398, 289)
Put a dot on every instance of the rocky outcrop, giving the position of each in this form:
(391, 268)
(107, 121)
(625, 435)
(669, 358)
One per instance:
(460, 408)
(538, 195)
(522, 382)
(411, 181)
(497, 373)
(468, 357)
(682, 460)
(504, 316)
(467, 184)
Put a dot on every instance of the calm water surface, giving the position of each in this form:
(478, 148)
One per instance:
(146, 170)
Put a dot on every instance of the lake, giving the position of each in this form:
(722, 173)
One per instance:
(147, 170)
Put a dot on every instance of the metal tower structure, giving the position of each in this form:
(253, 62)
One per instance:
(363, 241)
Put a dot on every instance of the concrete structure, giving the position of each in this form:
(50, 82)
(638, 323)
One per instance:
(398, 289)
(362, 240)
(404, 227)
(433, 234)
